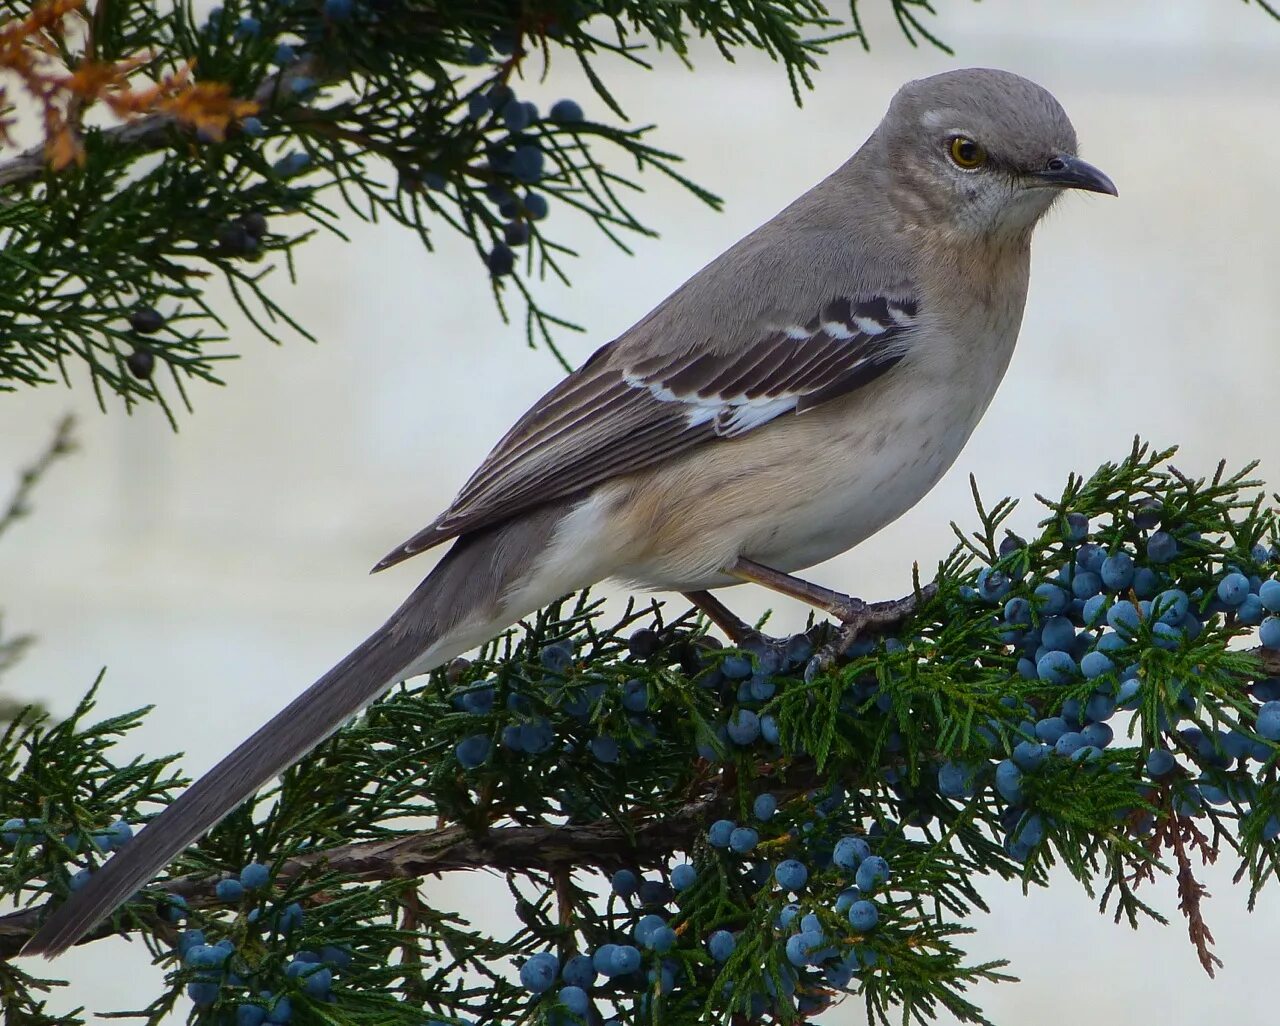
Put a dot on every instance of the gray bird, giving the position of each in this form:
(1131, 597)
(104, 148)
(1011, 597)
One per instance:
(797, 394)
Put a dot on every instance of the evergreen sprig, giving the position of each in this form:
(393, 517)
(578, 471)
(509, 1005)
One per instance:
(232, 139)
(585, 760)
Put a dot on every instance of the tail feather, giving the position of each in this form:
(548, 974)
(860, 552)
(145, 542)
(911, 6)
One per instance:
(455, 607)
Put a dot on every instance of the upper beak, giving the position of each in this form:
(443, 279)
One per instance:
(1067, 172)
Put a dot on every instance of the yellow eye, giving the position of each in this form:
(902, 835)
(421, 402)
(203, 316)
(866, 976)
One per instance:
(967, 153)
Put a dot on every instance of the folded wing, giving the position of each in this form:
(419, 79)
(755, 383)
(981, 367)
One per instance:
(619, 413)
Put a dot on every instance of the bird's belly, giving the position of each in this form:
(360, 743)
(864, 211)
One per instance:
(858, 498)
(800, 493)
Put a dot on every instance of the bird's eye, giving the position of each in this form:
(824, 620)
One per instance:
(966, 153)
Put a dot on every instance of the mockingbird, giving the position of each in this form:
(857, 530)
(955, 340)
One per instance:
(790, 399)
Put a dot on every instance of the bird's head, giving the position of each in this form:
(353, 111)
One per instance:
(981, 152)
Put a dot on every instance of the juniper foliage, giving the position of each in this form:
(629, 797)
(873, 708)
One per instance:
(231, 138)
(855, 751)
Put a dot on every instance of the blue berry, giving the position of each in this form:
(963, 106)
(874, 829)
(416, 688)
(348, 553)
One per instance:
(338, 10)
(1269, 721)
(229, 890)
(535, 205)
(769, 730)
(478, 700)
(1117, 571)
(317, 981)
(515, 115)
(645, 928)
(576, 1000)
(605, 749)
(1017, 611)
(302, 85)
(1051, 728)
(635, 696)
(1269, 632)
(527, 163)
(539, 972)
(850, 852)
(579, 972)
(1056, 668)
(281, 1010)
(1124, 618)
(801, 946)
(476, 54)
(954, 780)
(473, 751)
(736, 667)
(1029, 755)
(993, 584)
(501, 260)
(1233, 589)
(1090, 557)
(1269, 595)
(202, 994)
(626, 959)
(602, 959)
(1086, 584)
(764, 807)
(1170, 606)
(557, 658)
(252, 126)
(175, 908)
(721, 945)
(1094, 609)
(284, 54)
(1098, 734)
(1050, 599)
(477, 106)
(863, 916)
(1100, 706)
(1161, 547)
(248, 28)
(743, 840)
(1069, 743)
(250, 1015)
(744, 727)
(1077, 527)
(1095, 664)
(684, 876)
(662, 940)
(292, 164)
(624, 883)
(873, 872)
(1009, 780)
(1145, 582)
(1030, 829)
(1160, 762)
(1250, 611)
(719, 833)
(791, 875)
(1058, 633)
(566, 112)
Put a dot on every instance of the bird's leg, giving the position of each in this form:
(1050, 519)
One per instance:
(844, 608)
(855, 615)
(737, 629)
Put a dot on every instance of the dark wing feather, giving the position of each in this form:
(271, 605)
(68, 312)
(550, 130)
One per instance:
(613, 416)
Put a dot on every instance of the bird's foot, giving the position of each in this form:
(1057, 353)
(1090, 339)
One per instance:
(858, 619)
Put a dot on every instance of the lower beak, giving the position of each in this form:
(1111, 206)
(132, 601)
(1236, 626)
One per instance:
(1068, 172)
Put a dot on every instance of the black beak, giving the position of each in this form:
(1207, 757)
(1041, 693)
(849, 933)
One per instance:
(1068, 172)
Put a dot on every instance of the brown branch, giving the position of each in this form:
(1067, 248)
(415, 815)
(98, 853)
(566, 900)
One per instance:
(605, 844)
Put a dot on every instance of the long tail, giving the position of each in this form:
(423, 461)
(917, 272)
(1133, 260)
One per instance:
(461, 603)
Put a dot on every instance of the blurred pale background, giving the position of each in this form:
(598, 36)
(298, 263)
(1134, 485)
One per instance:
(215, 572)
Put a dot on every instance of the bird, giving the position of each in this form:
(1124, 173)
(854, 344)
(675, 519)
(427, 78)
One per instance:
(795, 395)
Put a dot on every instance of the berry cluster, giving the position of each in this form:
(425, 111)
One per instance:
(1096, 629)
(236, 975)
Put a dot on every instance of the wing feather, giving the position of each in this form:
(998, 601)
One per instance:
(619, 413)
